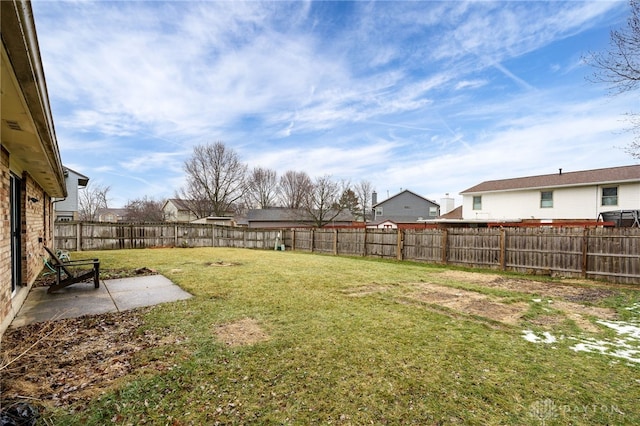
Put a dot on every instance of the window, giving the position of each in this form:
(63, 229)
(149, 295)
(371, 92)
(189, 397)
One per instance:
(433, 211)
(477, 202)
(546, 199)
(378, 211)
(610, 196)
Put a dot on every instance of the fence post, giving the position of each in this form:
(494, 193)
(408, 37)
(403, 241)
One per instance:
(79, 236)
(313, 243)
(335, 241)
(444, 239)
(400, 244)
(585, 251)
(503, 249)
(364, 244)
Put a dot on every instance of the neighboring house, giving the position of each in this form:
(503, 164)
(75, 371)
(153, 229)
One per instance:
(67, 208)
(216, 220)
(177, 210)
(405, 208)
(562, 196)
(385, 224)
(111, 215)
(31, 172)
(455, 214)
(280, 217)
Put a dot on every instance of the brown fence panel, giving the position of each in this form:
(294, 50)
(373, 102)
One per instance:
(66, 236)
(323, 240)
(614, 255)
(545, 251)
(474, 247)
(228, 237)
(301, 239)
(382, 243)
(423, 245)
(350, 242)
(194, 235)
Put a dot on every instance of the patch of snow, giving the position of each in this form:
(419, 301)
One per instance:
(546, 337)
(618, 348)
(537, 300)
(634, 307)
(626, 346)
(621, 327)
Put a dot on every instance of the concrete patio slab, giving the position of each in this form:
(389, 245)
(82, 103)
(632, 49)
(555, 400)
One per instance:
(130, 293)
(83, 299)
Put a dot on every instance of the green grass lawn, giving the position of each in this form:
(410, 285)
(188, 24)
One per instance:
(340, 341)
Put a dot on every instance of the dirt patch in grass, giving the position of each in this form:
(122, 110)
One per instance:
(73, 360)
(246, 331)
(367, 290)
(220, 263)
(469, 302)
(570, 299)
(570, 292)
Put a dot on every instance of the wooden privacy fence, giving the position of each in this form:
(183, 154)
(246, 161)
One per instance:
(611, 254)
(79, 236)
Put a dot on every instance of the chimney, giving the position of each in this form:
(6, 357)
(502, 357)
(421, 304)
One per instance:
(374, 198)
(560, 171)
(447, 204)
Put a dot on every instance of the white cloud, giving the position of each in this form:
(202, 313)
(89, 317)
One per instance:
(470, 84)
(417, 95)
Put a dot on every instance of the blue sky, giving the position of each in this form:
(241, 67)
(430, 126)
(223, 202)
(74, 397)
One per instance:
(434, 97)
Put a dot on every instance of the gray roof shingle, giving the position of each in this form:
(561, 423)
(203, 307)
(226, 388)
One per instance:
(585, 177)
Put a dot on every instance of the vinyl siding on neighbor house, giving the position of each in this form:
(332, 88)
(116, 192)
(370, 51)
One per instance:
(405, 207)
(67, 209)
(510, 200)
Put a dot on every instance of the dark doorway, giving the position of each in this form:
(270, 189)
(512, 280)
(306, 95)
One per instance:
(15, 198)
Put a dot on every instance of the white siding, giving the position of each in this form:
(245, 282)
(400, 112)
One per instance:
(69, 206)
(568, 203)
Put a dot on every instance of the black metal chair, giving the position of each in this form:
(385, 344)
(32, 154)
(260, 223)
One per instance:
(65, 276)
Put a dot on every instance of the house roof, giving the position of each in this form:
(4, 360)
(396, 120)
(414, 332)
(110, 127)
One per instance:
(397, 220)
(402, 192)
(113, 211)
(179, 203)
(561, 179)
(82, 179)
(281, 214)
(453, 214)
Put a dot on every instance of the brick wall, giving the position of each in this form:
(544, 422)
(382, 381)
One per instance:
(5, 241)
(37, 229)
(34, 228)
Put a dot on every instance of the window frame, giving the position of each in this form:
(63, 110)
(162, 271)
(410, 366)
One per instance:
(477, 202)
(611, 200)
(546, 203)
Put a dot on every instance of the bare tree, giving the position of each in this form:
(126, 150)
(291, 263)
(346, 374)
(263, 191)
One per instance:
(144, 209)
(364, 191)
(294, 188)
(262, 188)
(619, 67)
(216, 180)
(92, 198)
(320, 203)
